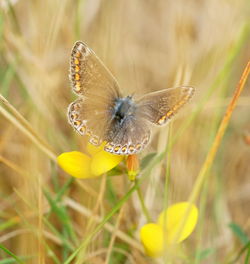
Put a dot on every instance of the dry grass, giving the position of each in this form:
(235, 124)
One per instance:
(45, 216)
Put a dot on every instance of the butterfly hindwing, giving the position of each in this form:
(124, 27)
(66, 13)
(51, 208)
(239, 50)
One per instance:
(128, 138)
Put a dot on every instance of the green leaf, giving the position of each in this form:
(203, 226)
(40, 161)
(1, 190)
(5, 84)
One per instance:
(17, 259)
(63, 216)
(14, 261)
(7, 224)
(239, 233)
(247, 259)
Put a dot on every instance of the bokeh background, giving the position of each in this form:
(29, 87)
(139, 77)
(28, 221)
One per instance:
(148, 46)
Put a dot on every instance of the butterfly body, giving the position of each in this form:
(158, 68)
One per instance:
(103, 114)
(124, 109)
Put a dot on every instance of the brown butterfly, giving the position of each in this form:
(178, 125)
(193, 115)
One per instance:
(102, 113)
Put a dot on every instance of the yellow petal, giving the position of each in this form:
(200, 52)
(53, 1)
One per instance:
(75, 163)
(171, 221)
(104, 161)
(92, 150)
(151, 236)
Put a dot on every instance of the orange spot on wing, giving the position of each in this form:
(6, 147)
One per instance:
(131, 148)
(82, 129)
(76, 61)
(124, 149)
(77, 68)
(77, 123)
(108, 147)
(77, 86)
(74, 116)
(78, 54)
(169, 113)
(116, 149)
(138, 146)
(162, 120)
(77, 77)
(88, 133)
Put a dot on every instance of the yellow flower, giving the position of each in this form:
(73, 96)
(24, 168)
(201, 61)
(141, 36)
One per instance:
(173, 226)
(75, 163)
(81, 165)
(172, 218)
(152, 239)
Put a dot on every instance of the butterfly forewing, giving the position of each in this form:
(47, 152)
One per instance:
(88, 75)
(159, 107)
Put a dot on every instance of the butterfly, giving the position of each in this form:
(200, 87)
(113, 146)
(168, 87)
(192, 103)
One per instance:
(122, 123)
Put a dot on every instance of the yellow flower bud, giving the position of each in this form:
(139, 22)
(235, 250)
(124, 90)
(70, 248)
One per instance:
(133, 166)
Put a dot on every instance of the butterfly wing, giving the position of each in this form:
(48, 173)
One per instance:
(88, 75)
(128, 138)
(97, 89)
(159, 107)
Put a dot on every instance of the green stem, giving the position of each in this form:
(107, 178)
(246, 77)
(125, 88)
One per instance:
(143, 206)
(17, 259)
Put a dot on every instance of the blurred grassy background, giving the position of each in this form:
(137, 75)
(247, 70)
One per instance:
(148, 45)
